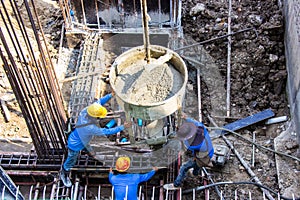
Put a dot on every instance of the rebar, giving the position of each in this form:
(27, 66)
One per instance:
(32, 77)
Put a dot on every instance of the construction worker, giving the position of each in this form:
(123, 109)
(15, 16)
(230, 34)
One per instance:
(126, 184)
(198, 149)
(87, 126)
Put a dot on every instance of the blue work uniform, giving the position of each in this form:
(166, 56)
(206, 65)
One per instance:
(201, 153)
(80, 137)
(121, 181)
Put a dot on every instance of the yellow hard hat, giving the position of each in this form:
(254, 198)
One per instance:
(123, 164)
(96, 110)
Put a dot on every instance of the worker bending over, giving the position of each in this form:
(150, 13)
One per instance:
(198, 149)
(87, 126)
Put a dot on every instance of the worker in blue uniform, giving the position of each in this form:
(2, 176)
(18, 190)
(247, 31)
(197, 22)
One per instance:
(198, 149)
(87, 126)
(126, 184)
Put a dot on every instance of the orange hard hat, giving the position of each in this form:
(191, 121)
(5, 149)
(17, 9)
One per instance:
(123, 164)
(96, 110)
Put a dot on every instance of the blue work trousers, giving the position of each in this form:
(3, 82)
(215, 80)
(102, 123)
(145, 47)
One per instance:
(191, 163)
(71, 159)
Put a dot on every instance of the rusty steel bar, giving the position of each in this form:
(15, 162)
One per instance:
(51, 73)
(31, 53)
(18, 86)
(34, 82)
(56, 101)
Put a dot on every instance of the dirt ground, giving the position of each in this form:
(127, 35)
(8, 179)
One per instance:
(258, 82)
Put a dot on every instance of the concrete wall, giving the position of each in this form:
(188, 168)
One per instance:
(292, 45)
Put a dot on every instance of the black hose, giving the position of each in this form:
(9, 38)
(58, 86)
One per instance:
(236, 183)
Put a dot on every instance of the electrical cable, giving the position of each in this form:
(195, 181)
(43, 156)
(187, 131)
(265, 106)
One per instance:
(235, 183)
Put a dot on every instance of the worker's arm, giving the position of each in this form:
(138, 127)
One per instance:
(110, 174)
(96, 130)
(104, 99)
(107, 131)
(147, 176)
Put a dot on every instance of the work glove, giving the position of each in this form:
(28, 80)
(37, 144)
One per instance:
(100, 158)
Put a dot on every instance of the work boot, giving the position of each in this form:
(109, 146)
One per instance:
(64, 176)
(171, 186)
(192, 173)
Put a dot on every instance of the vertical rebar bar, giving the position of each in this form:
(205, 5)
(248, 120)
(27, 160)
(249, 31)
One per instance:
(33, 80)
(99, 192)
(83, 13)
(97, 15)
(44, 191)
(253, 150)
(228, 60)
(199, 95)
(36, 191)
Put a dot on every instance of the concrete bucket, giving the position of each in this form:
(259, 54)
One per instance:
(149, 91)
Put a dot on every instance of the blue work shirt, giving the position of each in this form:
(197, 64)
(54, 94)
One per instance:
(206, 145)
(120, 182)
(81, 136)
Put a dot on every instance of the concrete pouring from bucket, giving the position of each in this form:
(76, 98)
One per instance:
(149, 94)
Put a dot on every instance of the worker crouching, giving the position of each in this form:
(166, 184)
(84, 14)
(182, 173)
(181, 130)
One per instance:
(198, 149)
